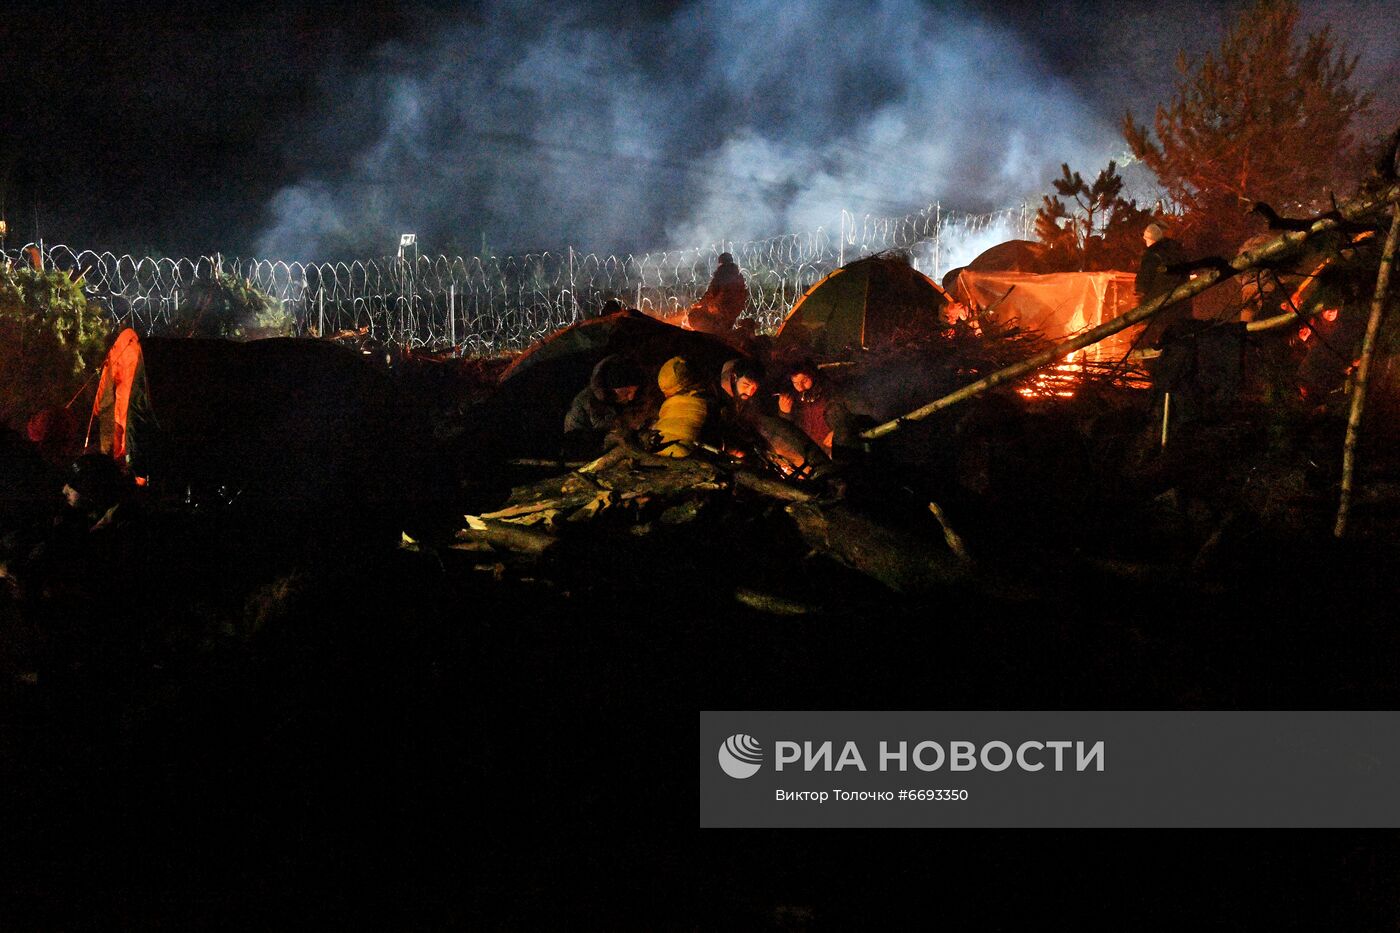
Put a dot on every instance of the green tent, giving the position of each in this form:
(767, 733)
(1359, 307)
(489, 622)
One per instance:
(864, 304)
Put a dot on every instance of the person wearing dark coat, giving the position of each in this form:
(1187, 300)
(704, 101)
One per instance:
(736, 404)
(606, 404)
(803, 398)
(719, 308)
(744, 430)
(1154, 277)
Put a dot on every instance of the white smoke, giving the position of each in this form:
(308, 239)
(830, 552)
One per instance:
(719, 121)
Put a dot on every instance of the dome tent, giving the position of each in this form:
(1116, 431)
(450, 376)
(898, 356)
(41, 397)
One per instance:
(535, 391)
(860, 305)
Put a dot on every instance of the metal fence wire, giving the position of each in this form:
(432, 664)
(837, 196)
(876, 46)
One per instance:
(482, 305)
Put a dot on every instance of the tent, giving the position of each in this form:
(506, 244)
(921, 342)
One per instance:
(1014, 256)
(644, 338)
(283, 418)
(535, 391)
(863, 304)
(1010, 256)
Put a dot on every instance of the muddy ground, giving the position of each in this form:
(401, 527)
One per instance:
(293, 716)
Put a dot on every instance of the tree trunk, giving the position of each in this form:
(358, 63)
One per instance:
(899, 561)
(1363, 373)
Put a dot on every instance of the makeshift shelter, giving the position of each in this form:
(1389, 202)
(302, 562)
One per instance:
(642, 337)
(281, 418)
(863, 304)
(1010, 256)
(1056, 305)
(535, 391)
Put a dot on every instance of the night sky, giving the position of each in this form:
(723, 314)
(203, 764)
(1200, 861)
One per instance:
(296, 130)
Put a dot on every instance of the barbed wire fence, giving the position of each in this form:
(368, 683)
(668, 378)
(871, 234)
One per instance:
(483, 305)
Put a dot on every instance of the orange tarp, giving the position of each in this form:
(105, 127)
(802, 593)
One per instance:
(1057, 304)
(119, 374)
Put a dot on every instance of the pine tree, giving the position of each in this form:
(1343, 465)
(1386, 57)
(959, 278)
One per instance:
(1265, 118)
(1104, 230)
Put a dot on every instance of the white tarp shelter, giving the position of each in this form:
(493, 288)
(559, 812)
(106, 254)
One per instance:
(1057, 304)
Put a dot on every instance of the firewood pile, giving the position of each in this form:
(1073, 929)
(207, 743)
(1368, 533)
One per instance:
(632, 492)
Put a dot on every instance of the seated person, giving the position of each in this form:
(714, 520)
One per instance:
(736, 404)
(609, 402)
(746, 431)
(684, 412)
(803, 397)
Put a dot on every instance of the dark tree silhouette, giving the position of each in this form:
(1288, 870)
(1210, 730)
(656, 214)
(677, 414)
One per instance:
(1102, 232)
(1265, 118)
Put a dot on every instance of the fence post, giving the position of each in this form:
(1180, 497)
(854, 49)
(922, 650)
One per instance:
(841, 249)
(573, 295)
(452, 315)
(321, 311)
(937, 240)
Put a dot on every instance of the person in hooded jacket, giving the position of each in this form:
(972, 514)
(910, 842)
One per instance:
(609, 402)
(803, 397)
(685, 411)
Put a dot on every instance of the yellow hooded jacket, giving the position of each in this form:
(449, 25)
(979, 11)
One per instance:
(683, 414)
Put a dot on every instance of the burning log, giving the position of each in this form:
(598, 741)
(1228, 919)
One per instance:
(1274, 249)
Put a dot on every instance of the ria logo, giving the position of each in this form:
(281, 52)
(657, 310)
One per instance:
(740, 756)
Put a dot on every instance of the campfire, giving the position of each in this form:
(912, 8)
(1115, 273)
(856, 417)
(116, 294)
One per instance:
(1066, 378)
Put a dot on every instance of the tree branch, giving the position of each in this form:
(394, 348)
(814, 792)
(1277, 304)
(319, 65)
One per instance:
(1274, 249)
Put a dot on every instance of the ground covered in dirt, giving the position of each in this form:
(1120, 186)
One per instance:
(274, 714)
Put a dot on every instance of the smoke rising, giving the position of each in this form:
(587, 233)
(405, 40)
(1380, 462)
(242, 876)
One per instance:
(718, 121)
(618, 131)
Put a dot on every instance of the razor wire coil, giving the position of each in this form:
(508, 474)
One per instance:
(482, 305)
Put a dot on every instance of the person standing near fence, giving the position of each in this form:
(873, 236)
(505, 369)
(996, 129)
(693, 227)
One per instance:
(719, 308)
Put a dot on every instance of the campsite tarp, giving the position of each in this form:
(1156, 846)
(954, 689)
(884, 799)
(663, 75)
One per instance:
(535, 391)
(111, 409)
(863, 304)
(1057, 305)
(284, 418)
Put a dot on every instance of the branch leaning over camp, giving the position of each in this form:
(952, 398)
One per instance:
(1280, 246)
(1363, 372)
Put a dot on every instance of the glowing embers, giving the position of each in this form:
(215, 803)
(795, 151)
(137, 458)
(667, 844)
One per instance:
(1058, 381)
(1066, 378)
